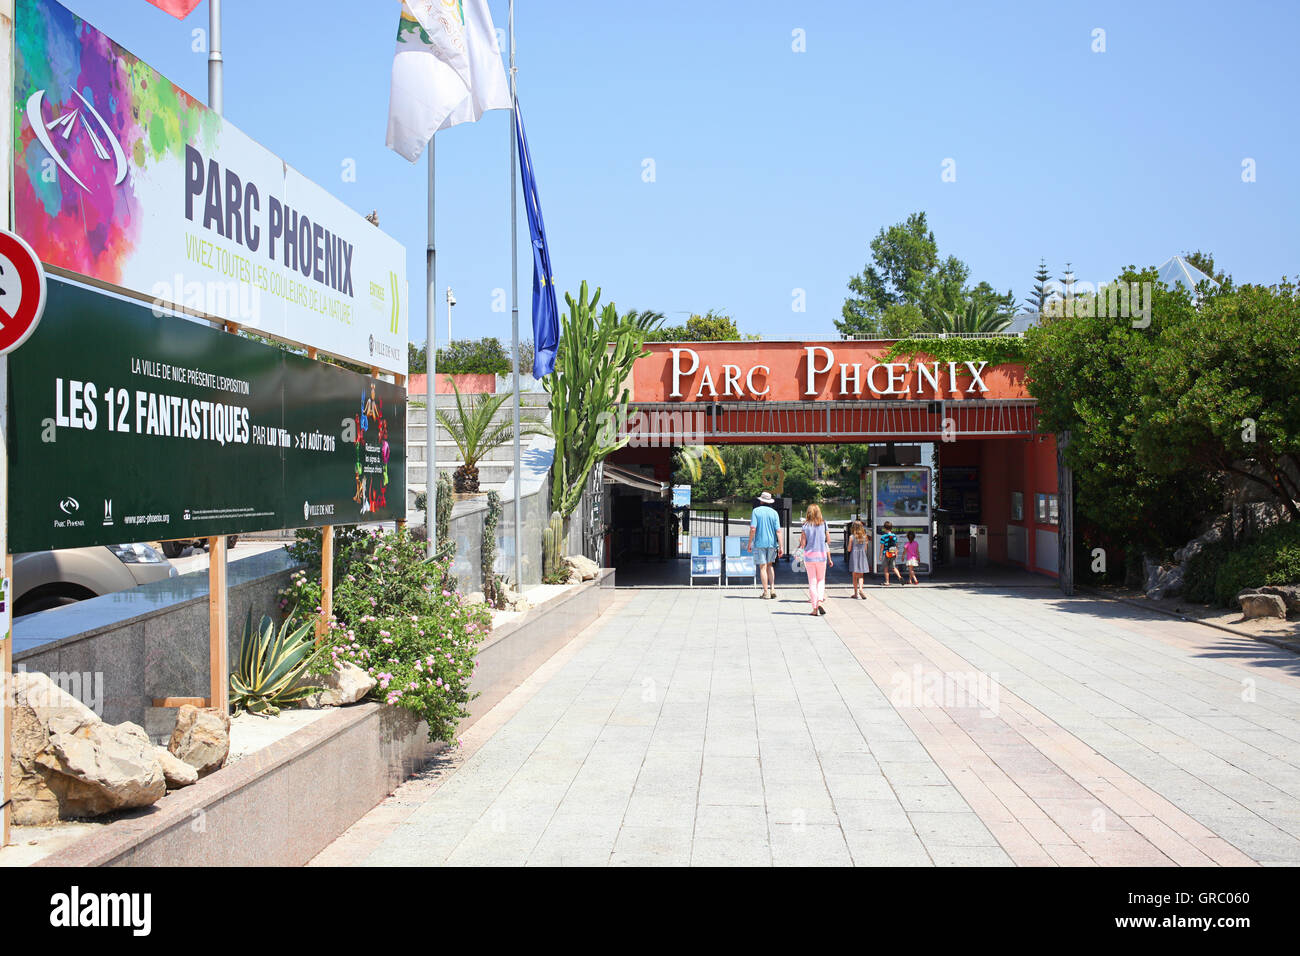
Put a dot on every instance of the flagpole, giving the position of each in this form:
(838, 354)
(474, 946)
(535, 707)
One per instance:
(431, 375)
(514, 306)
(216, 99)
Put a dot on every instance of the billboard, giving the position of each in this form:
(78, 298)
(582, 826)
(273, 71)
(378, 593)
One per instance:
(902, 493)
(123, 177)
(129, 426)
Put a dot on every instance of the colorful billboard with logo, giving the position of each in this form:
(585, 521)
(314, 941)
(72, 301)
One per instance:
(125, 425)
(123, 177)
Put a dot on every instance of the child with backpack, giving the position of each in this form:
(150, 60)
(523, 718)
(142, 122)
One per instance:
(889, 552)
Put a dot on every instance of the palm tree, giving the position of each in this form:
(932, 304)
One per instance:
(692, 458)
(645, 320)
(476, 434)
(974, 318)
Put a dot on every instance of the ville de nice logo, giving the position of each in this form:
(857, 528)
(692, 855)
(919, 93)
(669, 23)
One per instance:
(62, 127)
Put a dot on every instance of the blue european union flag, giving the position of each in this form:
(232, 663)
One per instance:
(546, 313)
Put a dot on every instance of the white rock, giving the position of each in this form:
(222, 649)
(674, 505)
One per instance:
(1262, 605)
(584, 566)
(201, 738)
(348, 684)
(176, 772)
(101, 768)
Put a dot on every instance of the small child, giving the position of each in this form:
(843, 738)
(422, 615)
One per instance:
(911, 557)
(858, 557)
(889, 552)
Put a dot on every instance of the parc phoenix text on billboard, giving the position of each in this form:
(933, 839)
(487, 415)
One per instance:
(131, 422)
(123, 177)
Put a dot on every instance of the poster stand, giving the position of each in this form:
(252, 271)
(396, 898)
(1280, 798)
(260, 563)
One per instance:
(740, 561)
(901, 496)
(707, 559)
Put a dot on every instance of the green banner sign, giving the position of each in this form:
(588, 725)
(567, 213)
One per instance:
(129, 424)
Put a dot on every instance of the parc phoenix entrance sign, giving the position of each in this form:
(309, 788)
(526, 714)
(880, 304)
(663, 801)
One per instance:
(793, 392)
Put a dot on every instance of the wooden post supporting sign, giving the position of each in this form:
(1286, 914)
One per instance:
(218, 626)
(326, 581)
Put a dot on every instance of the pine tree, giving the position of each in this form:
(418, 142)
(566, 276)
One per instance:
(1038, 297)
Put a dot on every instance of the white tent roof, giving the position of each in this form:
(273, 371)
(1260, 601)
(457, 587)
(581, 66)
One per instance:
(1176, 269)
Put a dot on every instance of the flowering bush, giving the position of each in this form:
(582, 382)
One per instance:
(394, 618)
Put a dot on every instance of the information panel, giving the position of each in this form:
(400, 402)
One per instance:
(706, 558)
(126, 425)
(740, 559)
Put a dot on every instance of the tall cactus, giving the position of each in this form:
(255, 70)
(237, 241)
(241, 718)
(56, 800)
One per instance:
(553, 544)
(588, 391)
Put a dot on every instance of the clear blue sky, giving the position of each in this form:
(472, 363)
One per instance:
(774, 169)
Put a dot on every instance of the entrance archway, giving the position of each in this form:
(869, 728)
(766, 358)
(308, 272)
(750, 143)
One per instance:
(979, 417)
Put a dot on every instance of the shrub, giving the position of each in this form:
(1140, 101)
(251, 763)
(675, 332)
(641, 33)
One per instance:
(474, 357)
(1271, 558)
(394, 618)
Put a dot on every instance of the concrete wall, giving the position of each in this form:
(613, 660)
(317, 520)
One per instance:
(284, 804)
(151, 641)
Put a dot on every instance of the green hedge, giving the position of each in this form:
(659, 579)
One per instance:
(1221, 571)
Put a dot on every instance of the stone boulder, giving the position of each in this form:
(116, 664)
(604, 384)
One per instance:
(1163, 581)
(100, 767)
(348, 684)
(67, 762)
(1289, 593)
(1262, 605)
(587, 568)
(201, 738)
(475, 597)
(513, 600)
(176, 772)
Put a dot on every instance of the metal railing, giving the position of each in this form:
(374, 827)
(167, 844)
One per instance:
(839, 421)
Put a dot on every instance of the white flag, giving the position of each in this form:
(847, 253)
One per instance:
(447, 70)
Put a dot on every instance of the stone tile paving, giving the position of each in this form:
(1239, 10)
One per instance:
(927, 726)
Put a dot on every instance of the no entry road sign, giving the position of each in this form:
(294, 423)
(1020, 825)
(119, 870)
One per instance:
(22, 291)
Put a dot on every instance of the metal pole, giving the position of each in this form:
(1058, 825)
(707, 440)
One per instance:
(514, 306)
(431, 369)
(215, 98)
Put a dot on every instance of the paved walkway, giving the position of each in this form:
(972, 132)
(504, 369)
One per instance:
(926, 726)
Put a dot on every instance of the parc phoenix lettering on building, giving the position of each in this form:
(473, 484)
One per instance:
(811, 372)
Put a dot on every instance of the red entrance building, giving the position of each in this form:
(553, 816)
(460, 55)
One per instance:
(980, 416)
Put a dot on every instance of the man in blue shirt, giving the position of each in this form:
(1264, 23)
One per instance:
(764, 525)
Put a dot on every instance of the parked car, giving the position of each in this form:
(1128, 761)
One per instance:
(174, 549)
(46, 579)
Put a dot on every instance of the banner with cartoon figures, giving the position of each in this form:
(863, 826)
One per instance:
(121, 176)
(125, 425)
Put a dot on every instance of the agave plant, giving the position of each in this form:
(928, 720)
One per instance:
(476, 434)
(270, 663)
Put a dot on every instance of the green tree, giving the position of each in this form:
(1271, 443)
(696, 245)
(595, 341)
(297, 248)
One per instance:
(1083, 370)
(1219, 391)
(712, 326)
(907, 280)
(974, 318)
(417, 360)
(1039, 295)
(1205, 262)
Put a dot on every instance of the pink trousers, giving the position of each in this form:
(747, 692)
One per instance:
(816, 582)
